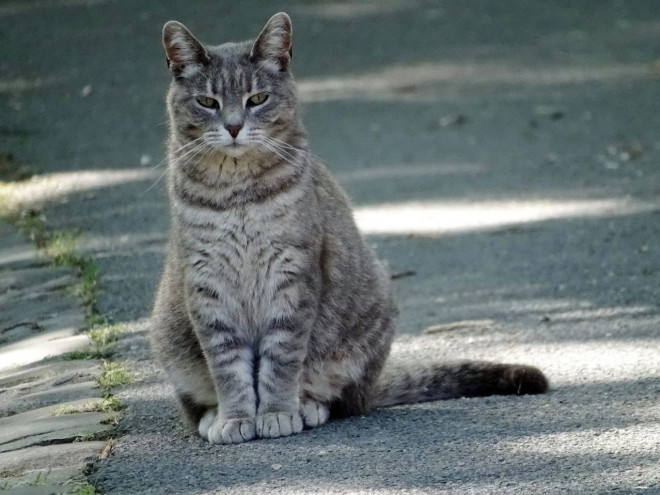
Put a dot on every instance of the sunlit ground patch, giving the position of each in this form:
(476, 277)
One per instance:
(438, 217)
(33, 193)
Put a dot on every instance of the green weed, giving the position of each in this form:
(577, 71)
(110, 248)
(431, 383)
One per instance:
(60, 247)
(83, 489)
(40, 479)
(114, 375)
(105, 404)
(105, 335)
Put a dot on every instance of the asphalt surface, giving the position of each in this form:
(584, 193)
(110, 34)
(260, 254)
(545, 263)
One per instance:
(502, 158)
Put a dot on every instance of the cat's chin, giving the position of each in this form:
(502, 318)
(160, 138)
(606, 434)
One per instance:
(235, 150)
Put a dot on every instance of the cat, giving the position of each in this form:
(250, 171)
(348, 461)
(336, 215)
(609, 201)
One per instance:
(272, 314)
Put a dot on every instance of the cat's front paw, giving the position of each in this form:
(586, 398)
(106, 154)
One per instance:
(278, 424)
(229, 430)
(314, 413)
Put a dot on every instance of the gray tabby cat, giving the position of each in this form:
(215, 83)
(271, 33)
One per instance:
(272, 314)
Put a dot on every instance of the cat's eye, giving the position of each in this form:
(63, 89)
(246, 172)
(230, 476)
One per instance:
(257, 99)
(208, 102)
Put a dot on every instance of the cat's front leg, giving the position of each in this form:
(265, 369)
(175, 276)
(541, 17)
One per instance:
(281, 356)
(230, 358)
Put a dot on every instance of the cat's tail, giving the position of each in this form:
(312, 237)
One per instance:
(411, 384)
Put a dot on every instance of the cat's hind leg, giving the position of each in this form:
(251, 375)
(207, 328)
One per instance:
(191, 411)
(337, 388)
(314, 413)
(342, 386)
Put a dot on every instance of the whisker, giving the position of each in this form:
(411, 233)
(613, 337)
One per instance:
(194, 141)
(193, 150)
(154, 183)
(289, 149)
(198, 148)
(280, 144)
(164, 160)
(207, 152)
(285, 155)
(280, 148)
(184, 159)
(277, 152)
(300, 150)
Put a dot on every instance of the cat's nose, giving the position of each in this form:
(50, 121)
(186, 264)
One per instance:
(233, 130)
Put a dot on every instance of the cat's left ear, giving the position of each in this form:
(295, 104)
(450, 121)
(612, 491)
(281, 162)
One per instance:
(185, 55)
(274, 42)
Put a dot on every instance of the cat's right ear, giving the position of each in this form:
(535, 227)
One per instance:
(274, 42)
(185, 55)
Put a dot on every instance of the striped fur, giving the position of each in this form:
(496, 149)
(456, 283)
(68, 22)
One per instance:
(272, 313)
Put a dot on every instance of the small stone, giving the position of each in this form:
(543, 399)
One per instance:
(453, 119)
(403, 274)
(86, 91)
(276, 467)
(145, 160)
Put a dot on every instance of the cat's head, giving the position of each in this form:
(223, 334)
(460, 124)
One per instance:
(236, 98)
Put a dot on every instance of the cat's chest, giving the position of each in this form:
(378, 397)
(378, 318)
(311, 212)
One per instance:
(248, 257)
(249, 238)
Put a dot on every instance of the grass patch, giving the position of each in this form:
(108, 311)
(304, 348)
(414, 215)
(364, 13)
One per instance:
(82, 489)
(31, 223)
(61, 247)
(105, 404)
(114, 375)
(40, 479)
(86, 291)
(103, 342)
(106, 335)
